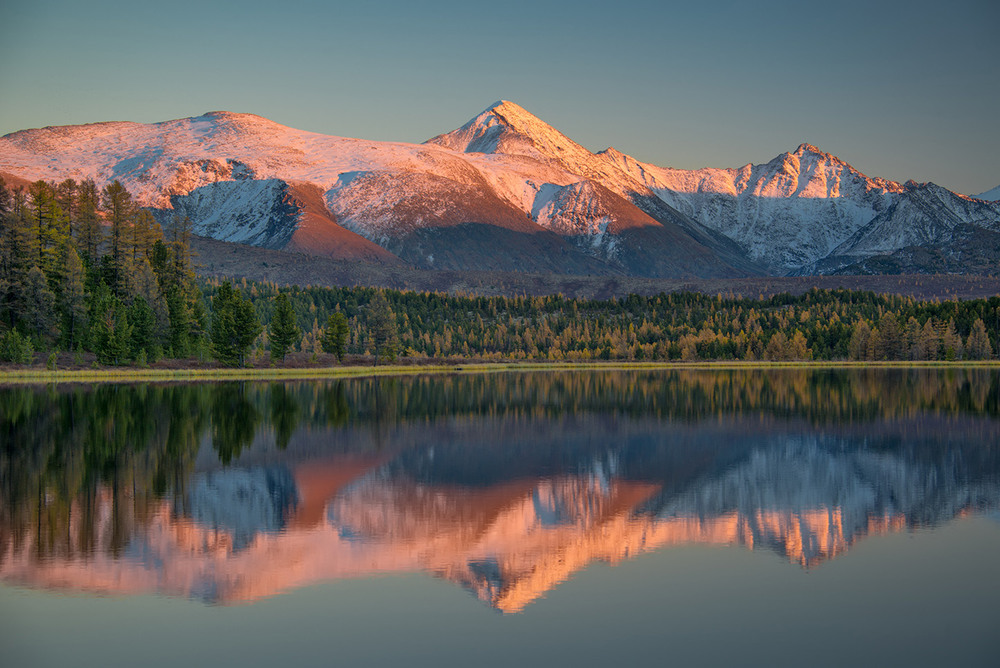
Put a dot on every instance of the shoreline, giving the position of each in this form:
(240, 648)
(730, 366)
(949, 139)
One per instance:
(136, 375)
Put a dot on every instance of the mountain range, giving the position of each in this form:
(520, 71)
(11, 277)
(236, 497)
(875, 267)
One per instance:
(508, 192)
(507, 535)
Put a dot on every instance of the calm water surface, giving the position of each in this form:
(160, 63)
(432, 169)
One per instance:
(788, 517)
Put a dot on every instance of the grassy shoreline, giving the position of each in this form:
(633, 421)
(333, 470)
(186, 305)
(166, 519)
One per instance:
(133, 375)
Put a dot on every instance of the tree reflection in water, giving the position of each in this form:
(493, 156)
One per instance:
(504, 483)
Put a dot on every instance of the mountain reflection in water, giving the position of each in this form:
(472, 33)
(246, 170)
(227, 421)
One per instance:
(505, 484)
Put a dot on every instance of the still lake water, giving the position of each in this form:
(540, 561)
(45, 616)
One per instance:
(788, 517)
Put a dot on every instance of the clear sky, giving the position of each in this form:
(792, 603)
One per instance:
(900, 89)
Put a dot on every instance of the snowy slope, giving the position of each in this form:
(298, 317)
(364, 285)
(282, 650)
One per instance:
(788, 212)
(506, 132)
(990, 195)
(431, 205)
(790, 215)
(505, 191)
(921, 214)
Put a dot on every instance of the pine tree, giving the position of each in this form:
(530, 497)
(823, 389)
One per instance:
(234, 325)
(283, 331)
(143, 324)
(38, 306)
(798, 348)
(18, 255)
(930, 342)
(335, 336)
(180, 247)
(382, 328)
(111, 330)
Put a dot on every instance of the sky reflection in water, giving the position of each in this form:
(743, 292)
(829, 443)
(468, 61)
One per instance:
(506, 485)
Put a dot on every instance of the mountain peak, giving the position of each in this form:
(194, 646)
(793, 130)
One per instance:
(508, 128)
(808, 148)
(504, 104)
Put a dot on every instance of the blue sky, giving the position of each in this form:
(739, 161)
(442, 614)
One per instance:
(900, 90)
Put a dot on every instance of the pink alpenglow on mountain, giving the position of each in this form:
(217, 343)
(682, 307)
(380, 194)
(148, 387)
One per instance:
(504, 192)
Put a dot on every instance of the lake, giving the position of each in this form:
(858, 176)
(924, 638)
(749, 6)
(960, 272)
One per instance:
(693, 517)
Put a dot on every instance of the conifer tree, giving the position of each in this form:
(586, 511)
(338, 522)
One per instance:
(889, 342)
(51, 227)
(335, 336)
(72, 299)
(143, 328)
(6, 197)
(234, 325)
(38, 306)
(382, 328)
(120, 212)
(67, 196)
(180, 246)
(858, 347)
(978, 346)
(951, 342)
(89, 231)
(111, 329)
(283, 331)
(144, 232)
(928, 342)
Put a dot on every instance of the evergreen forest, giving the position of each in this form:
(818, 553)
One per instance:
(87, 272)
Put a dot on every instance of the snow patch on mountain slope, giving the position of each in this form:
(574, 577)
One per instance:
(506, 129)
(573, 211)
(788, 212)
(990, 195)
(248, 212)
(155, 161)
(923, 214)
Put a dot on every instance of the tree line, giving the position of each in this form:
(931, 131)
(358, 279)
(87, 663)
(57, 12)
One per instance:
(84, 269)
(87, 270)
(817, 325)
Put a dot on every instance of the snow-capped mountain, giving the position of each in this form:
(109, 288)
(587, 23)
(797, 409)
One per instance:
(242, 533)
(788, 212)
(990, 195)
(505, 191)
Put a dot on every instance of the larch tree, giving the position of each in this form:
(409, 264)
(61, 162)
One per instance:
(978, 345)
(144, 232)
(89, 231)
(72, 299)
(67, 196)
(120, 211)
